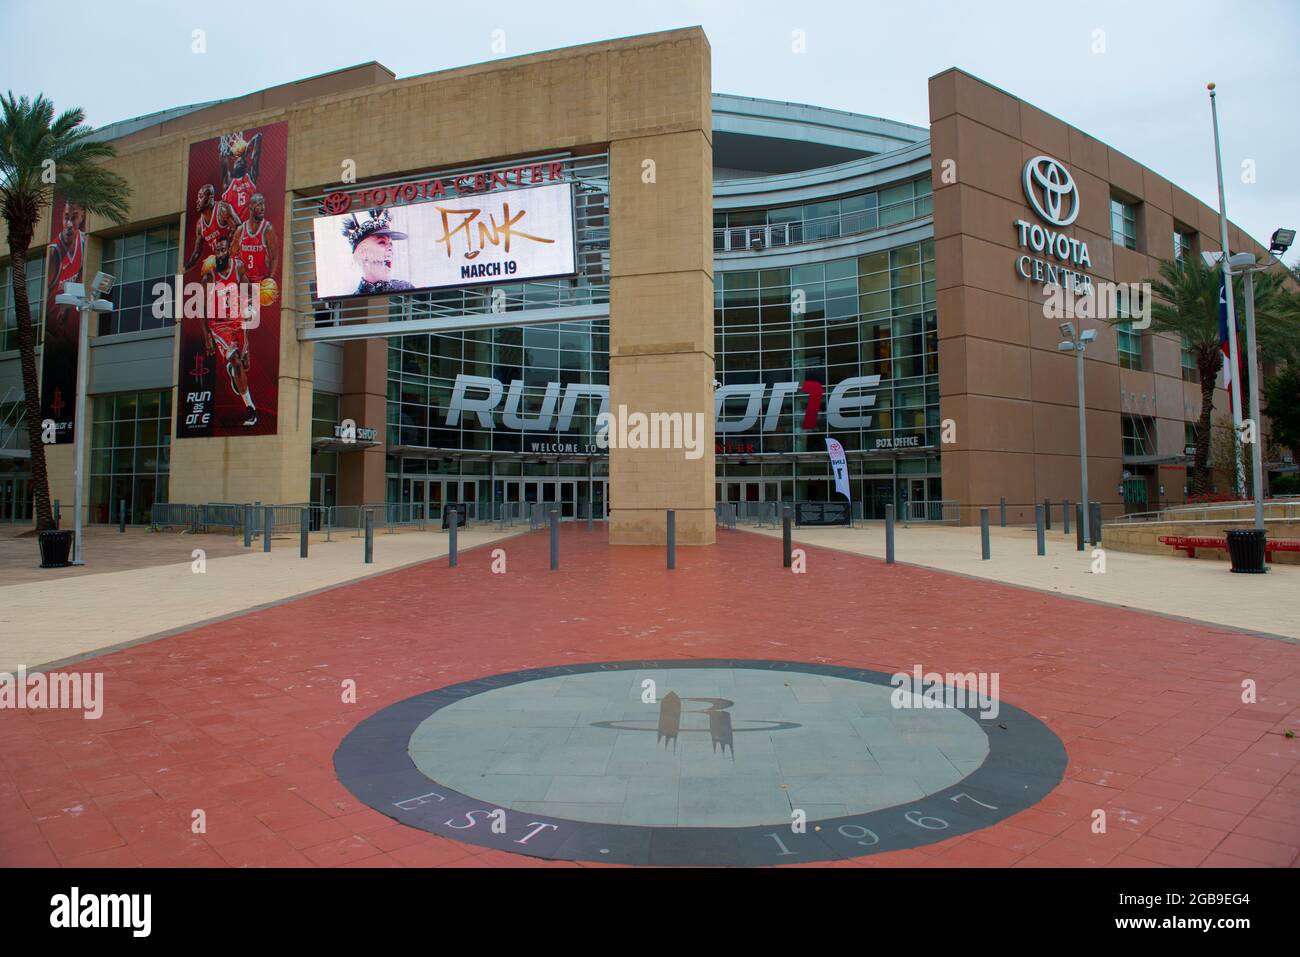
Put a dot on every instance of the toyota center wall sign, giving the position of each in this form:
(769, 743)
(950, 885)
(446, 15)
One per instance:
(496, 238)
(1053, 195)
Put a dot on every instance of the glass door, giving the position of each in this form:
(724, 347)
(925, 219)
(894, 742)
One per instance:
(568, 499)
(468, 497)
(434, 500)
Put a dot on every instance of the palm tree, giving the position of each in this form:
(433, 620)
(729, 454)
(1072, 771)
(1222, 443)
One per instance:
(39, 154)
(1185, 301)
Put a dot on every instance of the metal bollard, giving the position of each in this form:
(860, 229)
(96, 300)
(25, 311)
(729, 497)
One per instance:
(453, 520)
(268, 520)
(1042, 535)
(787, 557)
(1002, 509)
(1065, 516)
(672, 539)
(370, 536)
(889, 534)
(1047, 513)
(1094, 525)
(555, 539)
(589, 511)
(248, 526)
(984, 534)
(1078, 528)
(304, 526)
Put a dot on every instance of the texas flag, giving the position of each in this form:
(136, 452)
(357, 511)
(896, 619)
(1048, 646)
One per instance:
(1228, 372)
(1223, 332)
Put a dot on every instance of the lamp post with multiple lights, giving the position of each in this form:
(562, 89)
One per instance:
(74, 295)
(1244, 265)
(1076, 342)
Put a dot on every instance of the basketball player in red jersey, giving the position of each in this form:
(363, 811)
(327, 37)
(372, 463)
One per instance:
(214, 218)
(65, 256)
(254, 243)
(224, 329)
(240, 163)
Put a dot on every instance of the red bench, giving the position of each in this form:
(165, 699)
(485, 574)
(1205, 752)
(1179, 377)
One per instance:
(1190, 543)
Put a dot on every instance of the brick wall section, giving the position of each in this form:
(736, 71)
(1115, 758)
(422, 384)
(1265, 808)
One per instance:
(1011, 394)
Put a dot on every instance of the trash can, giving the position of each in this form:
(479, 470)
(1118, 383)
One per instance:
(56, 547)
(1246, 549)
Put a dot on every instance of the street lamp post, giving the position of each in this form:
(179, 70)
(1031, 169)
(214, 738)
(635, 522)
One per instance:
(1076, 342)
(1243, 264)
(74, 295)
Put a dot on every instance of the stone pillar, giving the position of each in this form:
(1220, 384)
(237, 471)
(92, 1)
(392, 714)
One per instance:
(661, 298)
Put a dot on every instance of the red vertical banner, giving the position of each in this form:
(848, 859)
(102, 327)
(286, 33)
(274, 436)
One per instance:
(229, 308)
(64, 261)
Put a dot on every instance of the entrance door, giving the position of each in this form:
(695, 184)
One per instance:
(568, 498)
(598, 499)
(433, 500)
(917, 504)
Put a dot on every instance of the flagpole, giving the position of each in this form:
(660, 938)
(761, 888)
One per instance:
(1234, 387)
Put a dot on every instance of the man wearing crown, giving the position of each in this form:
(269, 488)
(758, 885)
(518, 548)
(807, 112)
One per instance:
(372, 250)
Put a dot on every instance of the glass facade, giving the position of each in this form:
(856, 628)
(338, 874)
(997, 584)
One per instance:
(35, 297)
(787, 339)
(825, 323)
(130, 454)
(825, 219)
(535, 366)
(139, 261)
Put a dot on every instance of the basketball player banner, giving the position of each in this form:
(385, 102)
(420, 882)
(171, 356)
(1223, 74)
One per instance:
(228, 382)
(64, 260)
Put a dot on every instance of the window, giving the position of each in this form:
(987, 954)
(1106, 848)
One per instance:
(1123, 223)
(1129, 340)
(130, 454)
(1130, 346)
(1184, 243)
(35, 298)
(1191, 372)
(1137, 436)
(139, 261)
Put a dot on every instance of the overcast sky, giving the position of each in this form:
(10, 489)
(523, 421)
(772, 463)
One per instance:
(1144, 94)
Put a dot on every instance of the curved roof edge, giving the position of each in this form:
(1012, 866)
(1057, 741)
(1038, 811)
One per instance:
(747, 115)
(870, 172)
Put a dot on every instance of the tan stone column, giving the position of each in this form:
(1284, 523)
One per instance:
(661, 331)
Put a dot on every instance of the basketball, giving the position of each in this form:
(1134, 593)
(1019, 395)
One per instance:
(270, 292)
(209, 265)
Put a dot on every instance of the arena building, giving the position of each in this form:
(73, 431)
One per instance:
(787, 271)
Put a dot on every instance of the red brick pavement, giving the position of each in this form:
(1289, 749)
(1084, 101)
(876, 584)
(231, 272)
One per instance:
(241, 718)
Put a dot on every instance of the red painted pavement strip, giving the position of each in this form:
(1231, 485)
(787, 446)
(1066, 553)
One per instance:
(241, 718)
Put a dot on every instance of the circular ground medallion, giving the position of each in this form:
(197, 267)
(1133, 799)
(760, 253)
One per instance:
(722, 762)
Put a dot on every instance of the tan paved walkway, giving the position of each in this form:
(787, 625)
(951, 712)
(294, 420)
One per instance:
(1197, 589)
(66, 616)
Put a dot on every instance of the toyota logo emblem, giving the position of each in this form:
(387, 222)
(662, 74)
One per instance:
(1049, 187)
(335, 203)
